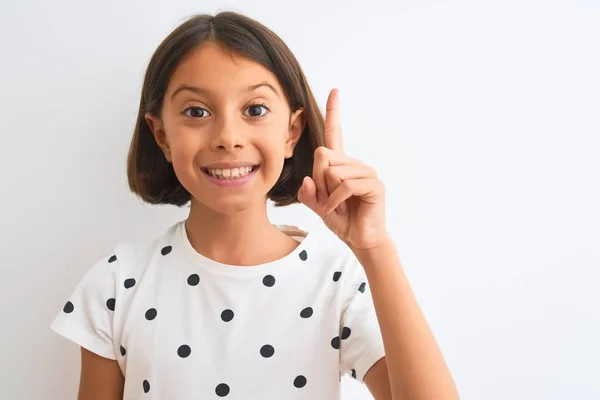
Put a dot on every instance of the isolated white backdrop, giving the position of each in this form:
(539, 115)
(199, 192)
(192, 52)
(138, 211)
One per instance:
(482, 117)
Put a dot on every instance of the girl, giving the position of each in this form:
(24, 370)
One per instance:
(224, 304)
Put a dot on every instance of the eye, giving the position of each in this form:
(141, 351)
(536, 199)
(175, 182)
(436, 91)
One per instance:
(196, 112)
(199, 112)
(255, 110)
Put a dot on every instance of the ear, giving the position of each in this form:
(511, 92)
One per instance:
(297, 123)
(160, 136)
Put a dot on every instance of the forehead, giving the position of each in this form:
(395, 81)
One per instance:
(210, 67)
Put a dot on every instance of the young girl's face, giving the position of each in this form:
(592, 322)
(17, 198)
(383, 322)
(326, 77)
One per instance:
(227, 127)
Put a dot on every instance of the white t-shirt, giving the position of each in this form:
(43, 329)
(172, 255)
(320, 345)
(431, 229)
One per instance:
(182, 326)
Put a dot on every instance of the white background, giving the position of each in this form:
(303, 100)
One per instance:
(482, 118)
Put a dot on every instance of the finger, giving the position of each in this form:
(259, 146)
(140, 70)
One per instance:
(337, 174)
(320, 165)
(308, 195)
(323, 159)
(333, 127)
(343, 172)
(364, 188)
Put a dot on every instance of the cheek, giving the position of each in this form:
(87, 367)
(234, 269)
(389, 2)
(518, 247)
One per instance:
(271, 145)
(273, 154)
(185, 143)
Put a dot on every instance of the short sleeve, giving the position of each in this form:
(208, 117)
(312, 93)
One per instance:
(87, 315)
(361, 344)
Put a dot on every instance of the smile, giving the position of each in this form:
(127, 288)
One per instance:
(230, 176)
(230, 173)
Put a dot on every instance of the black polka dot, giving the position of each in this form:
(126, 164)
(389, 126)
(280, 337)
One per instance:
(306, 313)
(303, 255)
(300, 381)
(269, 280)
(123, 351)
(151, 314)
(335, 342)
(166, 250)
(184, 350)
(146, 386)
(353, 373)
(222, 390)
(362, 287)
(336, 276)
(112, 259)
(69, 307)
(267, 351)
(346, 333)
(129, 283)
(110, 303)
(193, 280)
(227, 315)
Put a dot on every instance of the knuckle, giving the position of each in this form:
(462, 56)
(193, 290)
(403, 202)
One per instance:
(330, 173)
(320, 152)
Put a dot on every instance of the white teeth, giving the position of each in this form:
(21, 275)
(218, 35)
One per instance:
(232, 173)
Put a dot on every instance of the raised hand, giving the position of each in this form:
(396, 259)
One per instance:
(343, 191)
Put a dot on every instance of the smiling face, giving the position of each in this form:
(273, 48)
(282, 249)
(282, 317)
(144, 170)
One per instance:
(226, 127)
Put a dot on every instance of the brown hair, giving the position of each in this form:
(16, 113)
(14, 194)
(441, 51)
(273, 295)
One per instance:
(150, 175)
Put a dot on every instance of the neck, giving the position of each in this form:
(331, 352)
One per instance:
(238, 238)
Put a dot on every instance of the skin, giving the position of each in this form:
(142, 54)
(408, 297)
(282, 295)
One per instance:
(101, 378)
(221, 127)
(224, 223)
(350, 199)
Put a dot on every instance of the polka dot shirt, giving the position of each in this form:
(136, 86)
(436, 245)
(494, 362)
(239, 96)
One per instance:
(182, 326)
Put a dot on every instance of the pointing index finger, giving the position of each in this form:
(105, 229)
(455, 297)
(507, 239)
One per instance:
(333, 127)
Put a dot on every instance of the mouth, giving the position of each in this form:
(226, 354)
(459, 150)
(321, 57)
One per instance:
(226, 174)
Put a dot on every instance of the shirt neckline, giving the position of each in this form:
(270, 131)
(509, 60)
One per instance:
(297, 257)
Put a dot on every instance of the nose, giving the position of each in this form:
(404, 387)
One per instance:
(228, 137)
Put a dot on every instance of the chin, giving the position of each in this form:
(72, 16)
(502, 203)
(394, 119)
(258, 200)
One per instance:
(226, 206)
(231, 208)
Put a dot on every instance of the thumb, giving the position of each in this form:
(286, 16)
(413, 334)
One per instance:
(308, 194)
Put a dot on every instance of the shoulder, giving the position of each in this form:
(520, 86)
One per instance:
(332, 250)
(131, 256)
(334, 258)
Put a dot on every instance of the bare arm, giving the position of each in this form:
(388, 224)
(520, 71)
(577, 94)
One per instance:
(101, 378)
(377, 380)
(414, 363)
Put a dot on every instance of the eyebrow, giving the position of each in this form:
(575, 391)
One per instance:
(200, 90)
